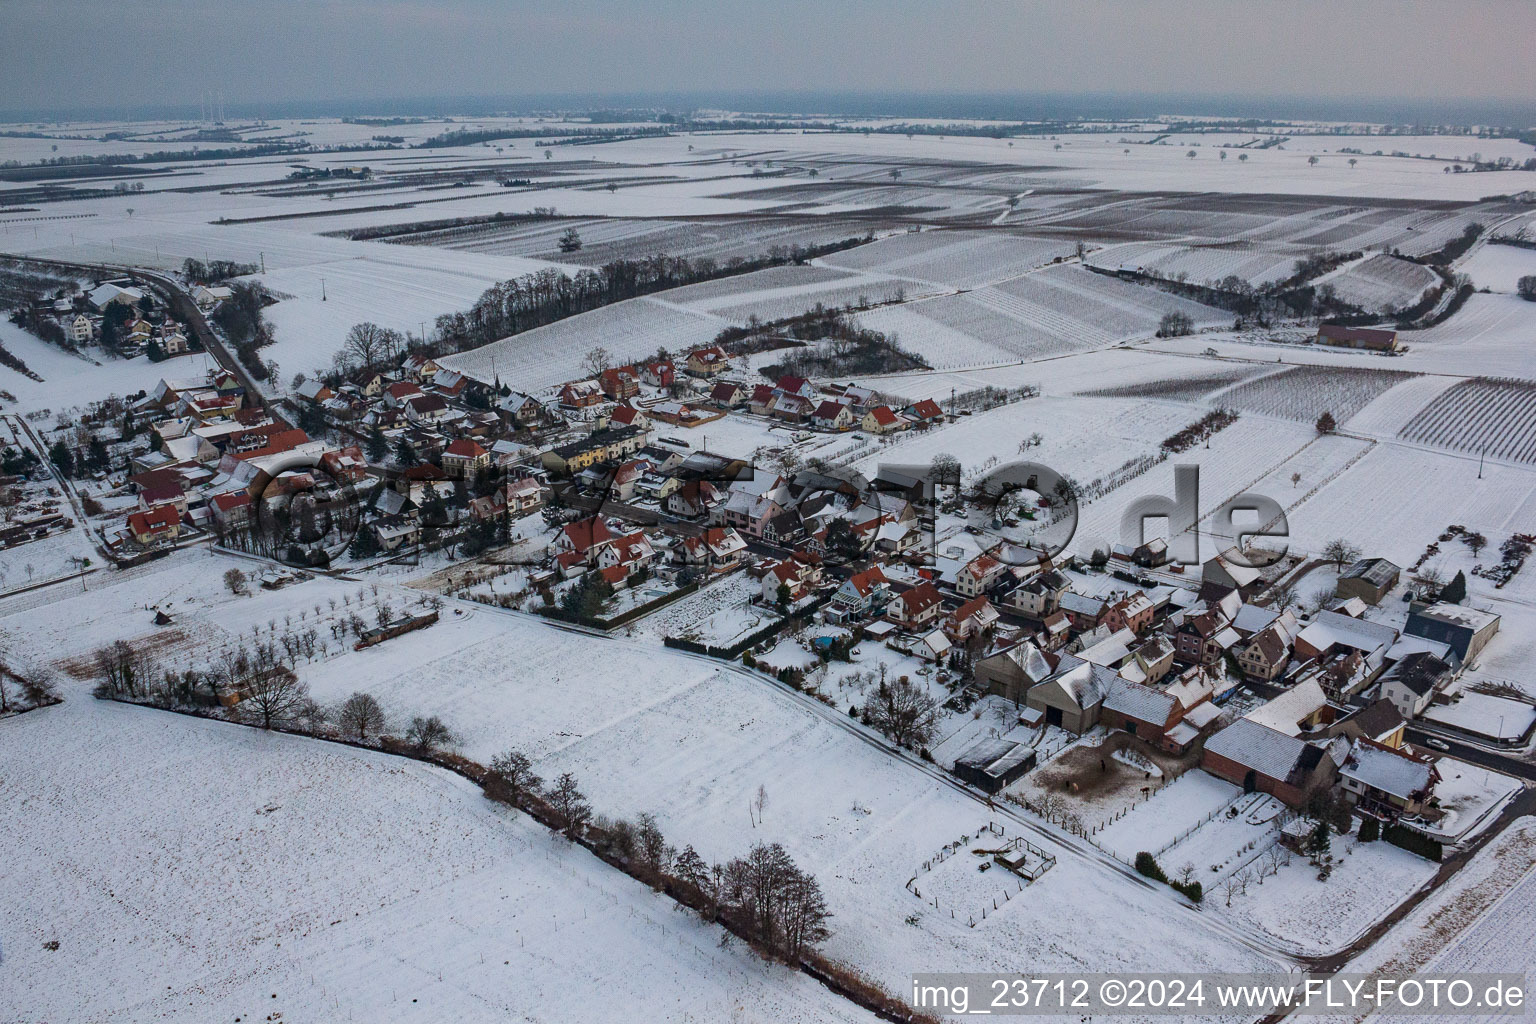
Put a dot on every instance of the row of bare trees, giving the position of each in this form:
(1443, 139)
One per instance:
(23, 690)
(763, 894)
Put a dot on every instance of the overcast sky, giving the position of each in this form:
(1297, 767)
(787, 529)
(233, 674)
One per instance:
(75, 53)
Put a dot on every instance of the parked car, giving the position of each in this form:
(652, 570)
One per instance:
(1437, 744)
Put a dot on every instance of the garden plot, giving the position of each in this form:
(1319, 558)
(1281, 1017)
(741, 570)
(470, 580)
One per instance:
(1306, 392)
(1482, 415)
(549, 355)
(1315, 917)
(1315, 464)
(1152, 826)
(243, 874)
(1380, 282)
(1203, 264)
(953, 259)
(1232, 841)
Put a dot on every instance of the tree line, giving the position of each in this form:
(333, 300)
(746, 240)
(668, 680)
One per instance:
(533, 300)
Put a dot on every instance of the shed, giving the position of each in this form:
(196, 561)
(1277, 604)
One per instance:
(992, 764)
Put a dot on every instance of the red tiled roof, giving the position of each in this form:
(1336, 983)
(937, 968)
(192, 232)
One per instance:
(464, 448)
(155, 520)
(883, 415)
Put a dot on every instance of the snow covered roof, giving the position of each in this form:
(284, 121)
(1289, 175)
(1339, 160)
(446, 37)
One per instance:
(1030, 661)
(1110, 651)
(1202, 715)
(1251, 618)
(1287, 710)
(1139, 702)
(1459, 615)
(1330, 629)
(1378, 572)
(1377, 768)
(1084, 682)
(1255, 746)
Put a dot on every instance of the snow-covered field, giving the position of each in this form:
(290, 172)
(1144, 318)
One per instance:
(195, 871)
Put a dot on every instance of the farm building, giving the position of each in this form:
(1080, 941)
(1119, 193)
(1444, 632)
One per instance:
(1011, 673)
(1357, 337)
(1264, 760)
(1073, 696)
(1467, 630)
(993, 763)
(1369, 579)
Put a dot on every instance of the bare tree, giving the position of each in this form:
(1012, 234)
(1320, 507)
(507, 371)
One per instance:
(760, 801)
(428, 734)
(234, 579)
(360, 715)
(570, 805)
(513, 773)
(904, 712)
(597, 360)
(1229, 887)
(1186, 872)
(1340, 552)
(271, 694)
(366, 343)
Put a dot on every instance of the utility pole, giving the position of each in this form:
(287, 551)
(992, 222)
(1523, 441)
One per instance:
(322, 289)
(263, 263)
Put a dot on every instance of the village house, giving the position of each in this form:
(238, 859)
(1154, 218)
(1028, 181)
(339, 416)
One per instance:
(1387, 782)
(314, 391)
(800, 577)
(720, 549)
(1011, 673)
(78, 328)
(916, 608)
(1266, 654)
(208, 297)
(1466, 630)
(1072, 696)
(581, 394)
(1082, 611)
(418, 367)
(693, 500)
(706, 362)
(728, 395)
(449, 384)
(978, 575)
(1264, 760)
(659, 373)
(346, 465)
(831, 415)
(881, 420)
(161, 524)
(1412, 682)
(599, 446)
(427, 409)
(972, 619)
(620, 382)
(465, 459)
(1133, 612)
(926, 412)
(861, 595)
(1039, 596)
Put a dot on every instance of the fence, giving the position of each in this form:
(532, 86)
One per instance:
(1025, 873)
